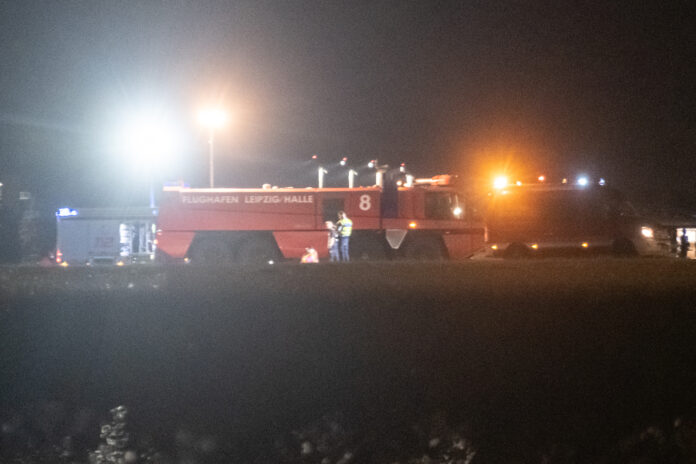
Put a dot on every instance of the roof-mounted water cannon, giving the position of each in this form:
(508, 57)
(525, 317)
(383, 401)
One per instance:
(442, 179)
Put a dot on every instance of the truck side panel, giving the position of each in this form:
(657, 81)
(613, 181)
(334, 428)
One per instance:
(80, 240)
(175, 244)
(293, 244)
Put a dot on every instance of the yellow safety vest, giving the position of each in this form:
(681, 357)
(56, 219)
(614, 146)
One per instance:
(345, 227)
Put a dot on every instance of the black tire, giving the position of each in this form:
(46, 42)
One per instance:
(516, 251)
(211, 252)
(623, 247)
(258, 250)
(424, 249)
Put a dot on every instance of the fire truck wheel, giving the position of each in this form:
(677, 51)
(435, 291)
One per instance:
(424, 248)
(211, 251)
(257, 250)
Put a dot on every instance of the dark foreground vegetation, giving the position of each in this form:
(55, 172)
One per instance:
(543, 361)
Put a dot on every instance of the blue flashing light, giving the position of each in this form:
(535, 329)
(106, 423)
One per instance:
(66, 212)
(583, 181)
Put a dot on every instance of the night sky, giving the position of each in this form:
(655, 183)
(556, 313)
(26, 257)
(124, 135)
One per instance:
(470, 87)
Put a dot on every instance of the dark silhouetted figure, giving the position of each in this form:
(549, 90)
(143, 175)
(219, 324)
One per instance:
(684, 244)
(390, 193)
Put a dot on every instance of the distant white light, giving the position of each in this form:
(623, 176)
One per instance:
(583, 181)
(371, 164)
(65, 212)
(647, 232)
(271, 262)
(457, 211)
(602, 181)
(343, 161)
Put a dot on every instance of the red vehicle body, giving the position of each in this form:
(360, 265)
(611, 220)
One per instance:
(259, 225)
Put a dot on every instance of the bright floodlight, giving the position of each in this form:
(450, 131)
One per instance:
(149, 138)
(583, 181)
(500, 182)
(212, 118)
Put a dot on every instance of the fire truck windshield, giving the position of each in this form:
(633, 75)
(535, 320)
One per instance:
(441, 205)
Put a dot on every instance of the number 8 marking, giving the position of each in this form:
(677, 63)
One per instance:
(365, 202)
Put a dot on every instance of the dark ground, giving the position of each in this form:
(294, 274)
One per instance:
(568, 361)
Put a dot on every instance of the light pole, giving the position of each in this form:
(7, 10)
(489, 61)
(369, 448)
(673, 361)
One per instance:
(320, 172)
(351, 178)
(212, 119)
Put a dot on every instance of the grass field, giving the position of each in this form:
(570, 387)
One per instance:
(561, 360)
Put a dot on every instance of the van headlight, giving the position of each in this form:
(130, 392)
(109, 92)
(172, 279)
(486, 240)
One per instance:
(647, 232)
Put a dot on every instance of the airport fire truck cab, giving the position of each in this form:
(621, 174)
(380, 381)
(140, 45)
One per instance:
(425, 220)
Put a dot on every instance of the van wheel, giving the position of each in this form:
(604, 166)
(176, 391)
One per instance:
(516, 251)
(258, 250)
(623, 247)
(423, 249)
(211, 252)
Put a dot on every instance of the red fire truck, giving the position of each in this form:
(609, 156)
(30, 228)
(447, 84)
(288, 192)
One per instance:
(424, 219)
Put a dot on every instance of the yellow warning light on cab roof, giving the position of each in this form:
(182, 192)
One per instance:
(535, 246)
(64, 264)
(584, 244)
(494, 247)
(412, 225)
(541, 178)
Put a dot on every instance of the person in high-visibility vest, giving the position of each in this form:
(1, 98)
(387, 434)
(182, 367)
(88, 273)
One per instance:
(344, 226)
